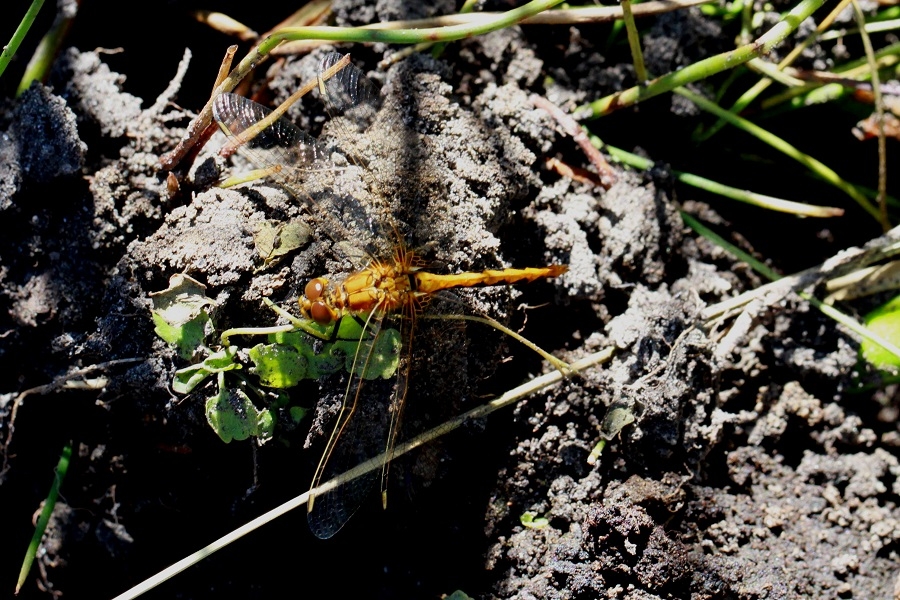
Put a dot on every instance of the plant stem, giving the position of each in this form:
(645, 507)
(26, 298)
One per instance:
(707, 67)
(42, 60)
(21, 31)
(764, 270)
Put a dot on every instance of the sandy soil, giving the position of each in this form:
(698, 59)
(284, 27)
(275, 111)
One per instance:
(751, 470)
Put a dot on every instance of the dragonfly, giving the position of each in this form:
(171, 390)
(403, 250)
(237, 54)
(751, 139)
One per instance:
(393, 282)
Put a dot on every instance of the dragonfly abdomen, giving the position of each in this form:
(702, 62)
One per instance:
(427, 283)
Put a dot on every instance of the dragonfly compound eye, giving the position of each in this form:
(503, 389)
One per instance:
(321, 313)
(314, 289)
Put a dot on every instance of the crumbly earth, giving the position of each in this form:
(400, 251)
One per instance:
(742, 463)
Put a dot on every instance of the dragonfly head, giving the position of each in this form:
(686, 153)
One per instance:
(314, 304)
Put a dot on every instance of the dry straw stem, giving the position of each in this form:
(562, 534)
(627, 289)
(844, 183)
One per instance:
(356, 34)
(510, 397)
(842, 263)
(879, 114)
(864, 282)
(774, 293)
(571, 127)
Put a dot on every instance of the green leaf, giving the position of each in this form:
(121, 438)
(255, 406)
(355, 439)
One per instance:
(277, 365)
(274, 239)
(349, 330)
(223, 360)
(532, 521)
(387, 353)
(885, 321)
(297, 413)
(385, 357)
(282, 400)
(301, 339)
(325, 363)
(232, 415)
(616, 419)
(180, 314)
(333, 356)
(318, 364)
(170, 334)
(188, 378)
(183, 300)
(265, 426)
(186, 337)
(301, 342)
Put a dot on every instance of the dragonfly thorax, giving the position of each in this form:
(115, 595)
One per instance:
(381, 287)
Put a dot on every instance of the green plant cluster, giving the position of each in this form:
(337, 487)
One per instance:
(294, 352)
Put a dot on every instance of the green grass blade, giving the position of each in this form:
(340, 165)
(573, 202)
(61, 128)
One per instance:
(779, 144)
(718, 240)
(714, 187)
(42, 60)
(760, 86)
(21, 31)
(49, 503)
(369, 34)
(634, 41)
(707, 67)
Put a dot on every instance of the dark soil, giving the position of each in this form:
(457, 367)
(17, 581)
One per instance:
(752, 469)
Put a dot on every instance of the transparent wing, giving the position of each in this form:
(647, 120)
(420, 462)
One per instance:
(398, 398)
(281, 144)
(306, 166)
(349, 94)
(360, 432)
(352, 101)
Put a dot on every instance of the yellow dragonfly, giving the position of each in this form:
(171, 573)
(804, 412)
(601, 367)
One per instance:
(394, 281)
